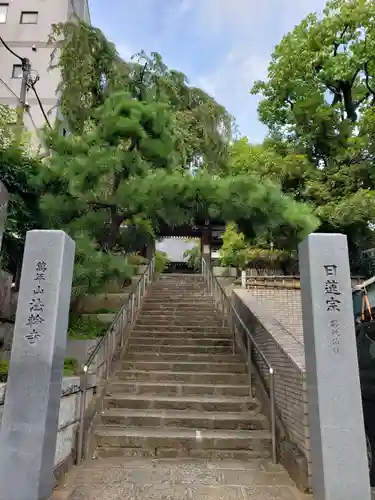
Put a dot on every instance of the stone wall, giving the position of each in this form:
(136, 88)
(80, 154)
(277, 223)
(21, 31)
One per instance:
(285, 351)
(68, 420)
(5, 295)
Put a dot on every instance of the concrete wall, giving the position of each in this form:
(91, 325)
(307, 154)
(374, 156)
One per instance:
(21, 38)
(68, 420)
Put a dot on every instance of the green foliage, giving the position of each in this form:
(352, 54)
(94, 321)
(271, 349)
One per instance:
(70, 367)
(94, 268)
(233, 252)
(161, 261)
(4, 367)
(18, 172)
(318, 103)
(238, 252)
(86, 327)
(193, 257)
(136, 260)
(321, 78)
(265, 258)
(92, 70)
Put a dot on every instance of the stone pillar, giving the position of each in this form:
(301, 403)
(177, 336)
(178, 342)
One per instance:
(337, 437)
(30, 417)
(150, 249)
(3, 209)
(206, 244)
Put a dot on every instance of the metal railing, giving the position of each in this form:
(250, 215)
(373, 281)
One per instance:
(231, 315)
(100, 361)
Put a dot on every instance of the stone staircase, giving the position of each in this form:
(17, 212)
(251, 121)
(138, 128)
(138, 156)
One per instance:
(180, 391)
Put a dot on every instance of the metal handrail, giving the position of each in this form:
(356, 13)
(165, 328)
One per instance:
(101, 358)
(221, 299)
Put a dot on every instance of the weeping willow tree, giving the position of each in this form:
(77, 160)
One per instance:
(92, 70)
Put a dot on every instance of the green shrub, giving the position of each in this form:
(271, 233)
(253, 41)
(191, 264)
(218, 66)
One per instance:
(135, 259)
(70, 367)
(193, 257)
(4, 366)
(161, 261)
(86, 327)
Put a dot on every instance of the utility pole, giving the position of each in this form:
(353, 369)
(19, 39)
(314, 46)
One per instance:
(26, 70)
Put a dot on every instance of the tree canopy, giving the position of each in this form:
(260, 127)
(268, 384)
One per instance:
(318, 103)
(143, 150)
(92, 70)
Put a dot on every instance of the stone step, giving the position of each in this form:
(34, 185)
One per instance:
(178, 340)
(180, 328)
(204, 302)
(187, 366)
(106, 452)
(173, 356)
(169, 320)
(176, 389)
(176, 296)
(198, 403)
(183, 440)
(250, 420)
(180, 307)
(195, 315)
(222, 333)
(183, 377)
(135, 346)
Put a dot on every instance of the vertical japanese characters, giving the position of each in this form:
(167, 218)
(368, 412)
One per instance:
(332, 300)
(36, 305)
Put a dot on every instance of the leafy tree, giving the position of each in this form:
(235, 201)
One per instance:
(321, 78)
(92, 70)
(193, 256)
(319, 103)
(123, 172)
(18, 172)
(233, 252)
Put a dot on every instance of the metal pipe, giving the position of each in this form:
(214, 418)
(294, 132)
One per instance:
(106, 354)
(132, 312)
(273, 414)
(82, 415)
(122, 328)
(234, 337)
(249, 369)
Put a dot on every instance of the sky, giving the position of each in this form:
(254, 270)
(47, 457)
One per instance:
(223, 46)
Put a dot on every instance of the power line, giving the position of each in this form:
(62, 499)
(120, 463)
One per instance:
(10, 90)
(41, 105)
(10, 50)
(26, 83)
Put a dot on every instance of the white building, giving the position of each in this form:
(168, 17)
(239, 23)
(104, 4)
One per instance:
(25, 26)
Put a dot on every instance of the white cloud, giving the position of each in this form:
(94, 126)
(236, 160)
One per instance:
(252, 29)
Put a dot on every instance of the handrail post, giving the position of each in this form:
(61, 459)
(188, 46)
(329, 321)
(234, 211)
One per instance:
(82, 409)
(273, 414)
(249, 367)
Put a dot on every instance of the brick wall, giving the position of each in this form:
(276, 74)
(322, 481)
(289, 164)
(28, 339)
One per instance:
(283, 304)
(285, 351)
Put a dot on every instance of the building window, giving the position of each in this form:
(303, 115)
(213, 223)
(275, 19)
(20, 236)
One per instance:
(3, 12)
(17, 71)
(29, 17)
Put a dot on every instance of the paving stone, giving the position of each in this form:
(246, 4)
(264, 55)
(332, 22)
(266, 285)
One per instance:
(165, 492)
(272, 493)
(217, 493)
(255, 478)
(104, 492)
